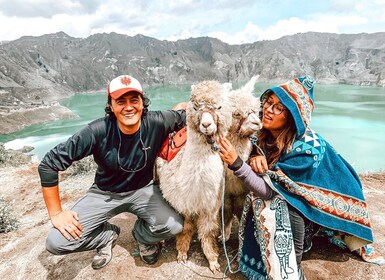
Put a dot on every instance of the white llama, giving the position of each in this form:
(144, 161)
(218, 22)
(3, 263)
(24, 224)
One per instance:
(245, 122)
(191, 182)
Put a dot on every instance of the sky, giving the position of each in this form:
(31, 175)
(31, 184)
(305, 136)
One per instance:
(233, 22)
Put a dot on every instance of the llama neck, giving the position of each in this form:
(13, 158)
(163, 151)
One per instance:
(242, 145)
(196, 139)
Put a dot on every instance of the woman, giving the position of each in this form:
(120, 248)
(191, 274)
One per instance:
(304, 184)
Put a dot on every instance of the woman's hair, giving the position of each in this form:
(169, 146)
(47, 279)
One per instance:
(274, 148)
(111, 115)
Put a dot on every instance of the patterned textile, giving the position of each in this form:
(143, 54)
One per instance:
(368, 254)
(266, 248)
(319, 183)
(343, 241)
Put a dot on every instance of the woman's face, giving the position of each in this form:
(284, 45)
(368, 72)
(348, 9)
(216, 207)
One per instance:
(274, 115)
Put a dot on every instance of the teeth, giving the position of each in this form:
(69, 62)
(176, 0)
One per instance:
(129, 115)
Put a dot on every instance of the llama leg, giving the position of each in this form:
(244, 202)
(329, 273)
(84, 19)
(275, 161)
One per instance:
(239, 202)
(183, 239)
(207, 226)
(228, 217)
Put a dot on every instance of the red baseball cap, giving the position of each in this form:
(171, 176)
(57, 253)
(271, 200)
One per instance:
(123, 84)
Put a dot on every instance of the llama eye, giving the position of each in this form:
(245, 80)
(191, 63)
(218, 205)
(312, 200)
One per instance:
(236, 114)
(218, 108)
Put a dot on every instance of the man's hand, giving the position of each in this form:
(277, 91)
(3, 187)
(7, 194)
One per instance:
(180, 106)
(259, 164)
(67, 222)
(227, 151)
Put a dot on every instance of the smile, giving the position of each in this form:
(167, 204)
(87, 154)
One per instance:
(129, 115)
(268, 117)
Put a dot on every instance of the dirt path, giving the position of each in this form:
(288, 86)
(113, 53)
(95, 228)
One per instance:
(23, 255)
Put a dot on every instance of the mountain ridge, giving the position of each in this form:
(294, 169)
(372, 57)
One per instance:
(35, 71)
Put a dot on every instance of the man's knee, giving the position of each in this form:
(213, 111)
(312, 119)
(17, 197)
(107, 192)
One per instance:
(175, 225)
(56, 243)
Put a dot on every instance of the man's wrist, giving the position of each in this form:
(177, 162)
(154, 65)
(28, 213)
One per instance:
(57, 213)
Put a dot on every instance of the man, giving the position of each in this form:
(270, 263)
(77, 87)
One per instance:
(124, 144)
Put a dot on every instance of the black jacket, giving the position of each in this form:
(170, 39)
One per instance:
(101, 139)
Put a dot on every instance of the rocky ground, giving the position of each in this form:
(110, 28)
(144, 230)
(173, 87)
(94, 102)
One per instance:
(23, 255)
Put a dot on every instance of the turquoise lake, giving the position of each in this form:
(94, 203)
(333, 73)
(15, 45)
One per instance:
(350, 118)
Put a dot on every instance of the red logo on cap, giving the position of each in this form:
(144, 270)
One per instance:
(125, 80)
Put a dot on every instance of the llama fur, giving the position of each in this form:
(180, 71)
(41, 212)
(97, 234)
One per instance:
(191, 182)
(245, 122)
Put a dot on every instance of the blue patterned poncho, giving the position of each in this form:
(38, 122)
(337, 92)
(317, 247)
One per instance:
(318, 182)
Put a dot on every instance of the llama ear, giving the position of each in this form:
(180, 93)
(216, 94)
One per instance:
(227, 87)
(192, 87)
(249, 87)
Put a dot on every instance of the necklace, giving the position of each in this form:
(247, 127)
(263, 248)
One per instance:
(143, 148)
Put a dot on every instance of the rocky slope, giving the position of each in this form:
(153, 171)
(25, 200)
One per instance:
(35, 71)
(23, 254)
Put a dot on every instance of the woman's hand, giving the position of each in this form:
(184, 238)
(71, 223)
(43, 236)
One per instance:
(227, 151)
(259, 164)
(67, 222)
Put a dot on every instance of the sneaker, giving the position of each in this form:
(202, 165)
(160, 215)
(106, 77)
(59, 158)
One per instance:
(149, 253)
(104, 254)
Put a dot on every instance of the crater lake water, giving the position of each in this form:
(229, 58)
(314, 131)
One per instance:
(351, 118)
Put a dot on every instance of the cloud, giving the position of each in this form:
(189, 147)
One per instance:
(247, 21)
(47, 8)
(321, 23)
(191, 6)
(41, 26)
(373, 10)
(250, 34)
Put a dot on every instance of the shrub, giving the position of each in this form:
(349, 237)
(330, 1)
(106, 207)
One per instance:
(82, 166)
(3, 154)
(8, 221)
(13, 157)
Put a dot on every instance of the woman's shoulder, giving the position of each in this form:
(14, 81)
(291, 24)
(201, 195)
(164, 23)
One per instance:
(311, 142)
(310, 147)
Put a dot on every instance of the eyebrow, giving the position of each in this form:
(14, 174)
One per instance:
(278, 103)
(129, 98)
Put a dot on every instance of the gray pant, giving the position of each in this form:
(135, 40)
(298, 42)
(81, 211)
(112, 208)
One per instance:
(157, 220)
(297, 222)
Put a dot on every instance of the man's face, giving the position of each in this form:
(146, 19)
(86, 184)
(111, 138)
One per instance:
(128, 110)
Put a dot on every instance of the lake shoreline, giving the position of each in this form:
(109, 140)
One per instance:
(17, 120)
(348, 117)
